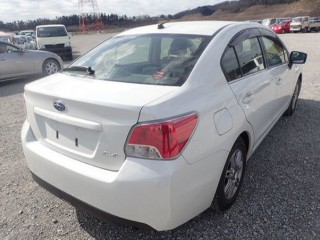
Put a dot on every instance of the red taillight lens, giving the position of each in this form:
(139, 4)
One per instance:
(162, 140)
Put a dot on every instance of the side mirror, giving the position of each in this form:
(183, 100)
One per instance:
(297, 57)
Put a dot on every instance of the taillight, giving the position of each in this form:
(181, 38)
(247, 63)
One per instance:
(161, 140)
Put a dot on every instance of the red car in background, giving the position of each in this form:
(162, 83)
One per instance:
(282, 27)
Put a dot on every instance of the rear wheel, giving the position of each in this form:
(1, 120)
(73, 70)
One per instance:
(293, 104)
(232, 176)
(50, 66)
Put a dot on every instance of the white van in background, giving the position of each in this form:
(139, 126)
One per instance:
(54, 38)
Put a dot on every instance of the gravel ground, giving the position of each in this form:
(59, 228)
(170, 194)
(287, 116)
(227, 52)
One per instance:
(280, 198)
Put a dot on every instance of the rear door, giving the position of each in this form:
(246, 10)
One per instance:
(252, 84)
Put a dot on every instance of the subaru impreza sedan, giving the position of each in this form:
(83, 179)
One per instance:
(156, 124)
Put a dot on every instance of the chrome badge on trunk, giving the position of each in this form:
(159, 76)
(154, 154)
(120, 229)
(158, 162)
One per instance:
(59, 105)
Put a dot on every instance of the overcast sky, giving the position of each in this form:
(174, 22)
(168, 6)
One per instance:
(11, 10)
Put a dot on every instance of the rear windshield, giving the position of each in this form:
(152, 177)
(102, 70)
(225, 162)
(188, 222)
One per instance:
(51, 32)
(146, 59)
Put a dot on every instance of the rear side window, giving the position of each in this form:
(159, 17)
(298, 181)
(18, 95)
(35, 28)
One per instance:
(243, 59)
(275, 52)
(230, 64)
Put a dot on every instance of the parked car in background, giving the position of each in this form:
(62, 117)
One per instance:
(19, 42)
(314, 24)
(32, 43)
(28, 33)
(17, 63)
(304, 24)
(256, 21)
(157, 123)
(270, 22)
(282, 27)
(25, 41)
(299, 24)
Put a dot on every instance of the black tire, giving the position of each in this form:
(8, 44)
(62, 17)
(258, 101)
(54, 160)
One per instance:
(50, 66)
(232, 176)
(293, 103)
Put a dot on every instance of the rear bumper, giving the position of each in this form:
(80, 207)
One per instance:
(160, 194)
(295, 29)
(88, 208)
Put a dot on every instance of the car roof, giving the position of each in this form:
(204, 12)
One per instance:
(191, 27)
(51, 25)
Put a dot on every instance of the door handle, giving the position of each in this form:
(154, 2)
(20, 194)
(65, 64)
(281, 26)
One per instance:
(248, 98)
(278, 80)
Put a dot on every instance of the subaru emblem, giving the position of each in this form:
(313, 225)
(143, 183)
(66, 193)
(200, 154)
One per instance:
(59, 106)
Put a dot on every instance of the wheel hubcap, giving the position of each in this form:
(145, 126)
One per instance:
(233, 174)
(51, 68)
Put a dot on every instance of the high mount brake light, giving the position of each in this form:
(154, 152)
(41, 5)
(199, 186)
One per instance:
(161, 140)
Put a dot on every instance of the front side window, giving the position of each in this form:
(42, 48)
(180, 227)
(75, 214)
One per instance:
(162, 59)
(275, 52)
(6, 48)
(250, 56)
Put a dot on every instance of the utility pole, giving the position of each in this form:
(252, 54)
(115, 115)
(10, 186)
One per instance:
(90, 16)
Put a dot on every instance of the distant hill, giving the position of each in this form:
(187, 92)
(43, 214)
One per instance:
(241, 11)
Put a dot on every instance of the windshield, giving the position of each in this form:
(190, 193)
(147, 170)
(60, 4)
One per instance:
(297, 20)
(146, 59)
(17, 40)
(284, 23)
(57, 31)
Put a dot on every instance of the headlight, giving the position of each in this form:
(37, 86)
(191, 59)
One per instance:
(41, 46)
(67, 44)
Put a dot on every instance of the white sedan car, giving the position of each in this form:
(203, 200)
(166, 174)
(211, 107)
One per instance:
(157, 123)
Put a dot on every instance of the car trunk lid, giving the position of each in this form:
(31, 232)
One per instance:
(96, 119)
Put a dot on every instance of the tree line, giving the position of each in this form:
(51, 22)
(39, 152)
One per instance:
(110, 20)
